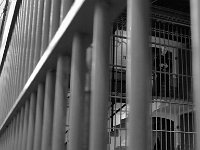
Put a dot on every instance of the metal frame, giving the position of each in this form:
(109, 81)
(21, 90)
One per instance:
(177, 97)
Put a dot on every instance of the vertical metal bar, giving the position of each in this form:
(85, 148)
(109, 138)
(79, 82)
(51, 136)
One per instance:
(138, 75)
(39, 117)
(21, 127)
(29, 39)
(9, 132)
(24, 43)
(17, 119)
(65, 7)
(8, 137)
(195, 25)
(87, 98)
(62, 79)
(48, 111)
(33, 36)
(3, 139)
(31, 124)
(100, 77)
(20, 50)
(18, 53)
(4, 93)
(45, 25)
(12, 133)
(6, 88)
(14, 65)
(38, 31)
(54, 17)
(77, 101)
(10, 61)
(25, 125)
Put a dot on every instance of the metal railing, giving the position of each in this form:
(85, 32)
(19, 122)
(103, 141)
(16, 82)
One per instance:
(56, 66)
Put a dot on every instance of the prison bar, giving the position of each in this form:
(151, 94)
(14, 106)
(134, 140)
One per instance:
(33, 36)
(52, 42)
(138, 80)
(39, 117)
(77, 93)
(100, 77)
(48, 111)
(62, 81)
(195, 25)
(45, 25)
(31, 121)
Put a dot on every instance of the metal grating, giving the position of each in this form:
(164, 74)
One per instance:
(172, 105)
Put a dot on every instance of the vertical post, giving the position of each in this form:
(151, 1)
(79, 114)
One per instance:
(100, 77)
(77, 102)
(8, 136)
(87, 99)
(45, 26)
(138, 75)
(21, 50)
(195, 25)
(38, 32)
(25, 125)
(62, 79)
(33, 36)
(54, 17)
(16, 130)
(24, 44)
(31, 124)
(48, 111)
(20, 133)
(39, 117)
(13, 131)
(3, 139)
(28, 40)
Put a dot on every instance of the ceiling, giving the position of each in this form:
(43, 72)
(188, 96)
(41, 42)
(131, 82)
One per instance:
(179, 5)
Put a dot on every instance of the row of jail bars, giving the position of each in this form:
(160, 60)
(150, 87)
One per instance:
(40, 121)
(36, 23)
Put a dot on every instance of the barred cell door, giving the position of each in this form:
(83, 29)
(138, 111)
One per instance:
(172, 104)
